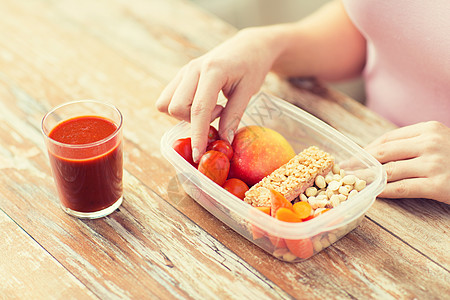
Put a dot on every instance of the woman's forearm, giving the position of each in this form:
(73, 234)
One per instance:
(326, 45)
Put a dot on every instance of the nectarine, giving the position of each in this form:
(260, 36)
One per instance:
(258, 151)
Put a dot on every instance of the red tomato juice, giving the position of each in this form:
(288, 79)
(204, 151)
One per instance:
(88, 172)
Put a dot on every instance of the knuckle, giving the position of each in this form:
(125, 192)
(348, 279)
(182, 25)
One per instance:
(430, 167)
(433, 141)
(191, 65)
(390, 169)
(210, 63)
(433, 165)
(199, 109)
(381, 152)
(176, 110)
(401, 189)
(430, 145)
(386, 137)
(214, 66)
(434, 125)
(440, 181)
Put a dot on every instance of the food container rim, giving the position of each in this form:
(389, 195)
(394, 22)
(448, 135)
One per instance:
(357, 206)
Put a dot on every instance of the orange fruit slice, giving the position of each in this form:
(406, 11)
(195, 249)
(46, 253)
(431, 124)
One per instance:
(287, 215)
(277, 200)
(302, 209)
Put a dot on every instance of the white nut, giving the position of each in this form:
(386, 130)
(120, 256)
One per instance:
(321, 197)
(325, 243)
(313, 202)
(360, 184)
(345, 189)
(335, 201)
(349, 179)
(328, 178)
(320, 182)
(335, 197)
(279, 252)
(336, 169)
(342, 173)
(352, 193)
(311, 191)
(330, 193)
(318, 211)
(334, 185)
(342, 198)
(322, 202)
(317, 245)
(289, 256)
(337, 177)
(303, 197)
(332, 238)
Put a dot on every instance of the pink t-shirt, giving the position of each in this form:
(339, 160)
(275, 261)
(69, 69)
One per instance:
(407, 73)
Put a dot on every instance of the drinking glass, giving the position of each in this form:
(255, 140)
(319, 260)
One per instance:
(85, 148)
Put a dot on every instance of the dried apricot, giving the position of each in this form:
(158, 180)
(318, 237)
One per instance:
(264, 209)
(302, 209)
(287, 215)
(277, 201)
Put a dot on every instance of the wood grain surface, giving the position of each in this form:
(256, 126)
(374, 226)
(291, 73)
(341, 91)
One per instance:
(160, 243)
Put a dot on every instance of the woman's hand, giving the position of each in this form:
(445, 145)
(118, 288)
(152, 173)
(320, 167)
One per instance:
(417, 161)
(237, 68)
(325, 45)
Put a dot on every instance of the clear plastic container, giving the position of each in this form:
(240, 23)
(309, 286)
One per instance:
(292, 242)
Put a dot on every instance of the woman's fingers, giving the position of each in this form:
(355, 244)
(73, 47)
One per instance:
(180, 105)
(402, 169)
(397, 134)
(395, 150)
(232, 113)
(414, 158)
(408, 188)
(203, 106)
(217, 111)
(162, 104)
(192, 96)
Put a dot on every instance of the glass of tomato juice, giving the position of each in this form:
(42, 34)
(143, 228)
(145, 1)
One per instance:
(84, 144)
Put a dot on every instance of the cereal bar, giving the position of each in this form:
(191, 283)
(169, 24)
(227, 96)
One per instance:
(292, 178)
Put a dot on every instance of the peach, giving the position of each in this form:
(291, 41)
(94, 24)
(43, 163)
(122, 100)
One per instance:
(258, 151)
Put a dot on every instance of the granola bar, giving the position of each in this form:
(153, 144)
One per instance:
(292, 178)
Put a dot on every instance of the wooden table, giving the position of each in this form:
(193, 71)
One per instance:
(160, 243)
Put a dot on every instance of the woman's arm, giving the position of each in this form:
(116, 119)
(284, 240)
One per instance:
(325, 45)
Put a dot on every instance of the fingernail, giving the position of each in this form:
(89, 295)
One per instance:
(195, 155)
(230, 136)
